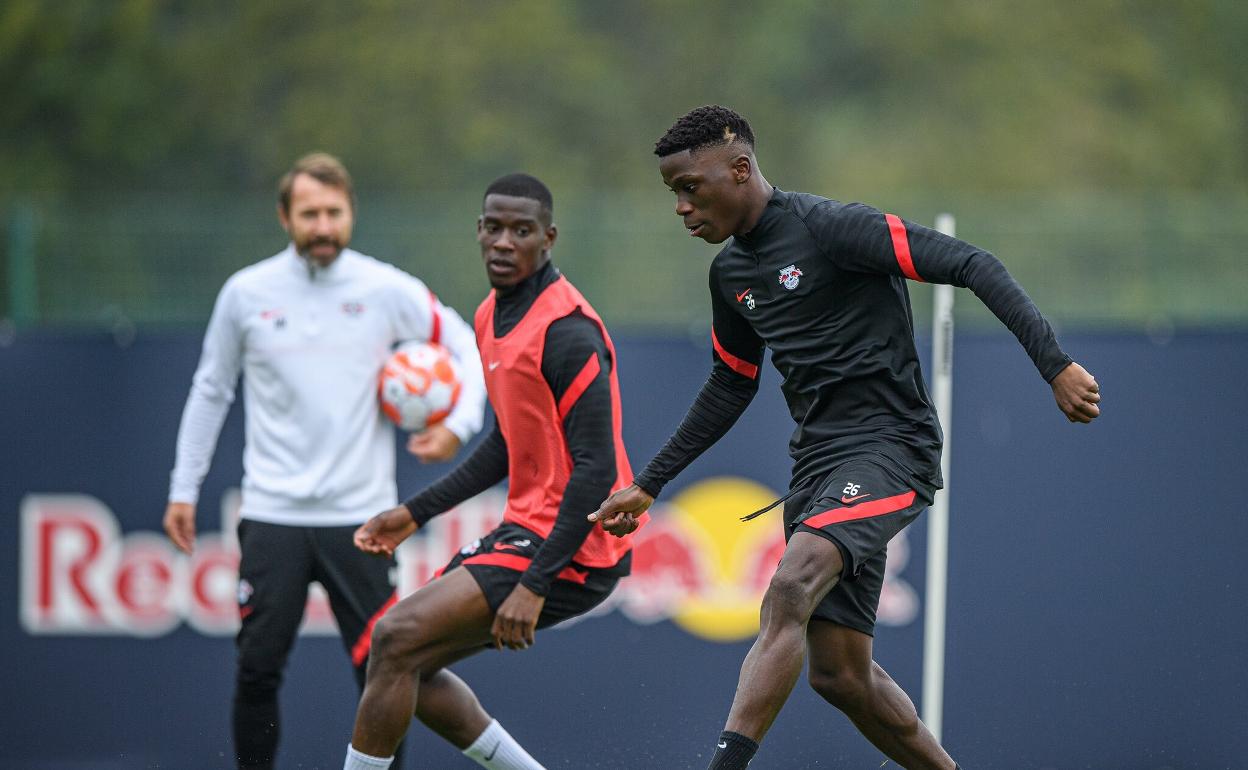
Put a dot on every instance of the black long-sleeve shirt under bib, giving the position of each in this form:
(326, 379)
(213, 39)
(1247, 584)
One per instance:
(587, 427)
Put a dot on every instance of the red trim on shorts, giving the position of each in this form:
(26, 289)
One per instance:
(861, 511)
(579, 385)
(901, 246)
(435, 333)
(359, 651)
(738, 365)
(521, 563)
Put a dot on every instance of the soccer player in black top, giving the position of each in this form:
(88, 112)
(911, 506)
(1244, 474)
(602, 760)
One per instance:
(822, 284)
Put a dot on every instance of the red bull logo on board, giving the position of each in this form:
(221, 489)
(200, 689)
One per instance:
(694, 564)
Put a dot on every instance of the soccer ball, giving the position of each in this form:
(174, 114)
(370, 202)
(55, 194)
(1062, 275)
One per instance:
(419, 385)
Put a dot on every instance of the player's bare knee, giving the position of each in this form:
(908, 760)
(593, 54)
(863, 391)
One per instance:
(788, 599)
(396, 638)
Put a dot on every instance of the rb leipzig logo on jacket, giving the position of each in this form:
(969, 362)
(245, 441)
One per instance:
(789, 276)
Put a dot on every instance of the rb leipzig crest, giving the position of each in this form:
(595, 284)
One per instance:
(789, 276)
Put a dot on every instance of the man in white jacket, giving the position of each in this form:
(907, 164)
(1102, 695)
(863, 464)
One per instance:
(309, 330)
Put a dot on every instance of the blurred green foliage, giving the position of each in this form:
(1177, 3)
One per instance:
(1099, 148)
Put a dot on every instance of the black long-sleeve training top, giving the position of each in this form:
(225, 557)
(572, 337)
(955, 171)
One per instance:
(587, 427)
(822, 284)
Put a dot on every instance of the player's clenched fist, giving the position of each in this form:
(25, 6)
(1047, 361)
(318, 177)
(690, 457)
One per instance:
(620, 513)
(383, 533)
(1077, 393)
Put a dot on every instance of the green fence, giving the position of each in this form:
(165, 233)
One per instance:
(150, 260)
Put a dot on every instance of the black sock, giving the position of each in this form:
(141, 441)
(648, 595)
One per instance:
(733, 752)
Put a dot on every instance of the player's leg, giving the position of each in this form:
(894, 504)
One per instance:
(844, 674)
(449, 707)
(868, 505)
(422, 633)
(275, 567)
(834, 527)
(810, 567)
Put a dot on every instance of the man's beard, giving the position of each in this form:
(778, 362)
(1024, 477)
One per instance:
(305, 249)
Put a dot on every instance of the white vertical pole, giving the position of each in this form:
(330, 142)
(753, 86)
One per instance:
(938, 514)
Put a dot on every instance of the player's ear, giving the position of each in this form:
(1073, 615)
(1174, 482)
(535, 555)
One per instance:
(283, 217)
(742, 168)
(552, 233)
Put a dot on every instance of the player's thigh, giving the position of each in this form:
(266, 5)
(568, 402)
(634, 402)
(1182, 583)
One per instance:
(809, 568)
(837, 652)
(275, 567)
(360, 586)
(437, 623)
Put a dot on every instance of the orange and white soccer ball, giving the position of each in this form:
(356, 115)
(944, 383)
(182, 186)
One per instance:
(419, 385)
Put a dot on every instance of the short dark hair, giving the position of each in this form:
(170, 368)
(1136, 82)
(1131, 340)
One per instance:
(524, 186)
(705, 127)
(322, 167)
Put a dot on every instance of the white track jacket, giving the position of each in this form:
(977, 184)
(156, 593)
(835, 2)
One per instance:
(310, 343)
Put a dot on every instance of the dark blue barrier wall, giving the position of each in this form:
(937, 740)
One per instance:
(1097, 596)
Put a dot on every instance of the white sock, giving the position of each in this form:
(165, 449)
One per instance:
(495, 749)
(358, 760)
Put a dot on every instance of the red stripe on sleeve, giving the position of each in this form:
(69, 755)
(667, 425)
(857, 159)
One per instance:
(435, 332)
(861, 511)
(901, 246)
(521, 563)
(359, 650)
(579, 385)
(740, 366)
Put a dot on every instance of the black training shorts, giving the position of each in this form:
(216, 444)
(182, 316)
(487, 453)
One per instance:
(497, 561)
(859, 505)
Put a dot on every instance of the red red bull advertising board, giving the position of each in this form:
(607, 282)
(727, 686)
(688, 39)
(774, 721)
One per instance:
(694, 564)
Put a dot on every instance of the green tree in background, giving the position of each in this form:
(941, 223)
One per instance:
(151, 122)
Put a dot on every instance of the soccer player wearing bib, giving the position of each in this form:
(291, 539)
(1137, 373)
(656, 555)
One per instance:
(309, 330)
(550, 373)
(822, 285)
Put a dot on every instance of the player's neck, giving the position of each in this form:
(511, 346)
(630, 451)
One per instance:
(759, 195)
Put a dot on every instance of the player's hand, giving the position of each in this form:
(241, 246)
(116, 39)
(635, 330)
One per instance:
(515, 623)
(1077, 394)
(180, 525)
(383, 533)
(435, 444)
(620, 513)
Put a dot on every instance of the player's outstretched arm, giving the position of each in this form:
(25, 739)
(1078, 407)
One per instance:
(1077, 393)
(383, 533)
(180, 525)
(620, 513)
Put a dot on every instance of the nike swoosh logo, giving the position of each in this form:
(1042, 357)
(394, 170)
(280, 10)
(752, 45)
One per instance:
(741, 295)
(722, 744)
(494, 365)
(848, 500)
(493, 751)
